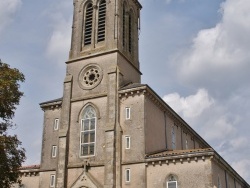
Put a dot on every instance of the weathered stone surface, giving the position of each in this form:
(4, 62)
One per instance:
(147, 147)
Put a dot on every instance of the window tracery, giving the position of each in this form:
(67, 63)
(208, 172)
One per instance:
(88, 132)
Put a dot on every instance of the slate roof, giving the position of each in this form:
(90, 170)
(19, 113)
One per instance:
(132, 85)
(52, 101)
(30, 167)
(178, 152)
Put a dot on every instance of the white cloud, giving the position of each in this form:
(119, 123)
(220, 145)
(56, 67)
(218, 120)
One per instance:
(59, 43)
(239, 143)
(221, 53)
(219, 129)
(58, 46)
(190, 106)
(7, 9)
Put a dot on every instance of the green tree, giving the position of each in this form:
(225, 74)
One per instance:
(11, 154)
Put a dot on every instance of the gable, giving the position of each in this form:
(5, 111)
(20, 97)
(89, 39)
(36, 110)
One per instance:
(85, 180)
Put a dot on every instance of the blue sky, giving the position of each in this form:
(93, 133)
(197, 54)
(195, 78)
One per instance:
(194, 54)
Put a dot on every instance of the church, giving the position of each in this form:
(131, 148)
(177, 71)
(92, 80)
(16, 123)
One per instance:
(111, 131)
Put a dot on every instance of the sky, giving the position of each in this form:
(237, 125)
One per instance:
(193, 53)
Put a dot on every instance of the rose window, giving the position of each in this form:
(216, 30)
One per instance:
(90, 76)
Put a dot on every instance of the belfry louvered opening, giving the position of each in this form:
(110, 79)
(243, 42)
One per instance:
(88, 24)
(130, 33)
(101, 21)
(123, 25)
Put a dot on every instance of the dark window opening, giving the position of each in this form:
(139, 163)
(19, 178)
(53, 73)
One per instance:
(123, 26)
(88, 24)
(130, 33)
(101, 21)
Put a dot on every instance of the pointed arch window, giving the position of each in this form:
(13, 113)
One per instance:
(124, 25)
(88, 132)
(101, 21)
(88, 24)
(130, 31)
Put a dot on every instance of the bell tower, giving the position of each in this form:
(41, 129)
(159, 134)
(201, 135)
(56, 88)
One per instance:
(104, 27)
(102, 59)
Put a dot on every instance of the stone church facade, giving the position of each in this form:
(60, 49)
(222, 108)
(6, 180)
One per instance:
(109, 130)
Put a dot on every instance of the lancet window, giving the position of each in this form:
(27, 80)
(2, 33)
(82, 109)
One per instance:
(130, 31)
(88, 132)
(124, 25)
(88, 24)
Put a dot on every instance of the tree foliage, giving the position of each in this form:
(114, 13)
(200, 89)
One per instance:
(11, 154)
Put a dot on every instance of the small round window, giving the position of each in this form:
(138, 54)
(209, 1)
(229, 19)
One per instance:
(90, 76)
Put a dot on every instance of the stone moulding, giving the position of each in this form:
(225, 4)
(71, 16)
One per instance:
(54, 104)
(194, 157)
(29, 171)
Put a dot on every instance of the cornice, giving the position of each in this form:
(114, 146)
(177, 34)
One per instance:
(89, 97)
(97, 54)
(132, 92)
(29, 173)
(51, 106)
(138, 4)
(174, 159)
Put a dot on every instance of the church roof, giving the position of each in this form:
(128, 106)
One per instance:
(197, 154)
(51, 104)
(131, 86)
(51, 101)
(178, 152)
(30, 167)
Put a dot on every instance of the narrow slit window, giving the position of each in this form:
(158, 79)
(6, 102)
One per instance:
(219, 183)
(52, 180)
(186, 143)
(88, 24)
(127, 175)
(127, 142)
(101, 21)
(54, 151)
(127, 113)
(56, 124)
(173, 138)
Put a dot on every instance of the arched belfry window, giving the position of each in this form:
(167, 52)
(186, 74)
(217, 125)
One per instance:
(101, 21)
(130, 31)
(124, 25)
(88, 132)
(88, 27)
(171, 182)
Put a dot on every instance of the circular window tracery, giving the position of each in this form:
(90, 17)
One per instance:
(90, 76)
